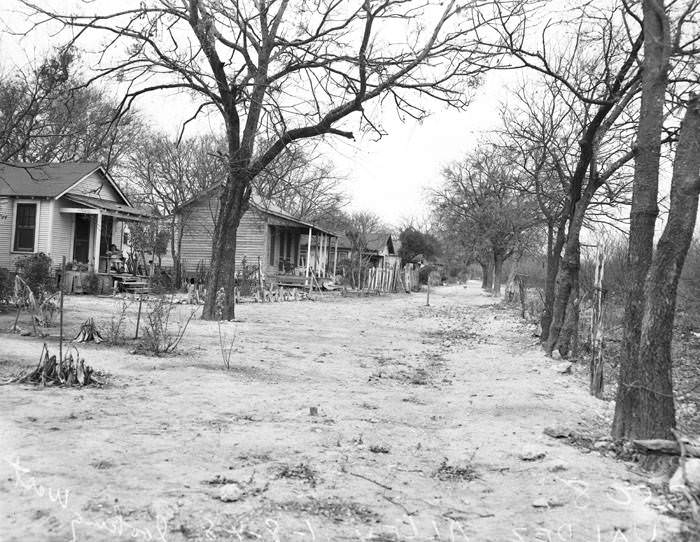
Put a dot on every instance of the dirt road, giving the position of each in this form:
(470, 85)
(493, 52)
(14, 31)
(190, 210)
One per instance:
(429, 427)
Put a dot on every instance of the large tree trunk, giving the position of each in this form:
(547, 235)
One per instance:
(567, 344)
(568, 268)
(554, 248)
(233, 203)
(644, 208)
(651, 389)
(497, 273)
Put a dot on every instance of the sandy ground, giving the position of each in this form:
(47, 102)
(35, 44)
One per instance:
(423, 416)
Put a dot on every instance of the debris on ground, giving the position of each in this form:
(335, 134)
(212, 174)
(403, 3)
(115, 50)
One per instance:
(68, 372)
(532, 454)
(298, 472)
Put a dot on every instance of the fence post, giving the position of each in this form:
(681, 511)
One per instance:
(596, 367)
(60, 317)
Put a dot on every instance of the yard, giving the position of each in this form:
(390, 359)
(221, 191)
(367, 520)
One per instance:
(429, 426)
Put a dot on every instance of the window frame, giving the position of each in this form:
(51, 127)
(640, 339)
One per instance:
(15, 216)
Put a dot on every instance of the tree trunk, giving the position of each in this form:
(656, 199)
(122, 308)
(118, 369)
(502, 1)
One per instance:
(497, 273)
(233, 203)
(554, 248)
(649, 410)
(484, 275)
(644, 208)
(568, 267)
(567, 344)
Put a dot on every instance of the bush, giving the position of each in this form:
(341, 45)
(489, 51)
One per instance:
(6, 286)
(35, 270)
(159, 339)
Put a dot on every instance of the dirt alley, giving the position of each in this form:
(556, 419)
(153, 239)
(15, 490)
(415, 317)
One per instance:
(424, 417)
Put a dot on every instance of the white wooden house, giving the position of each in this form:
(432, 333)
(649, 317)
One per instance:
(71, 210)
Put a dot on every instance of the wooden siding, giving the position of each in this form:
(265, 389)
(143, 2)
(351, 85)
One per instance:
(7, 222)
(251, 239)
(96, 185)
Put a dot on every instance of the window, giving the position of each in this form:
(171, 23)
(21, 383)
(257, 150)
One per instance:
(25, 227)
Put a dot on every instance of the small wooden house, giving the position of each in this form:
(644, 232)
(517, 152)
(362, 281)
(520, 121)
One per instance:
(266, 234)
(71, 210)
(379, 250)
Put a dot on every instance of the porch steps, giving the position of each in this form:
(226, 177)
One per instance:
(136, 286)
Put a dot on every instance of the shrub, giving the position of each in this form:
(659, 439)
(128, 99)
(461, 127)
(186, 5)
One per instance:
(6, 286)
(159, 338)
(35, 270)
(114, 329)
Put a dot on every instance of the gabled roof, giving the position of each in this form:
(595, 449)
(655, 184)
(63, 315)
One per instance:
(47, 180)
(377, 241)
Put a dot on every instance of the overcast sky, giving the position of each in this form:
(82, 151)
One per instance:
(388, 176)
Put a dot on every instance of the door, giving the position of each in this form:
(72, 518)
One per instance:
(81, 239)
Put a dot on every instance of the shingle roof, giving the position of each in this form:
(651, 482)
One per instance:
(41, 180)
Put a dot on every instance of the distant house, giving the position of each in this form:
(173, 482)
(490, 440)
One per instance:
(74, 210)
(266, 233)
(379, 250)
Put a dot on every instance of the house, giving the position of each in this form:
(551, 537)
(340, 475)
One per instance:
(379, 250)
(266, 234)
(71, 210)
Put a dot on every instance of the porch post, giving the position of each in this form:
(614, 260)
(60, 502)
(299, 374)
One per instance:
(335, 256)
(98, 236)
(308, 254)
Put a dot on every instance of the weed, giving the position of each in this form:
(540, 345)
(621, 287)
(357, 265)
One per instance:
(446, 472)
(298, 472)
(114, 329)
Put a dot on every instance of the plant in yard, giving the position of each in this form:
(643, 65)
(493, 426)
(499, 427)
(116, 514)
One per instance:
(159, 338)
(114, 328)
(6, 286)
(225, 343)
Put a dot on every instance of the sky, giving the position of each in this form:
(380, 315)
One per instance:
(390, 176)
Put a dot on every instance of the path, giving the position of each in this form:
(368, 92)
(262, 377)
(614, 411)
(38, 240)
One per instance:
(423, 414)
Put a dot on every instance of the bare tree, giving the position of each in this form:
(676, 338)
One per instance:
(281, 71)
(594, 58)
(644, 406)
(164, 174)
(46, 119)
(303, 184)
(360, 225)
(480, 196)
